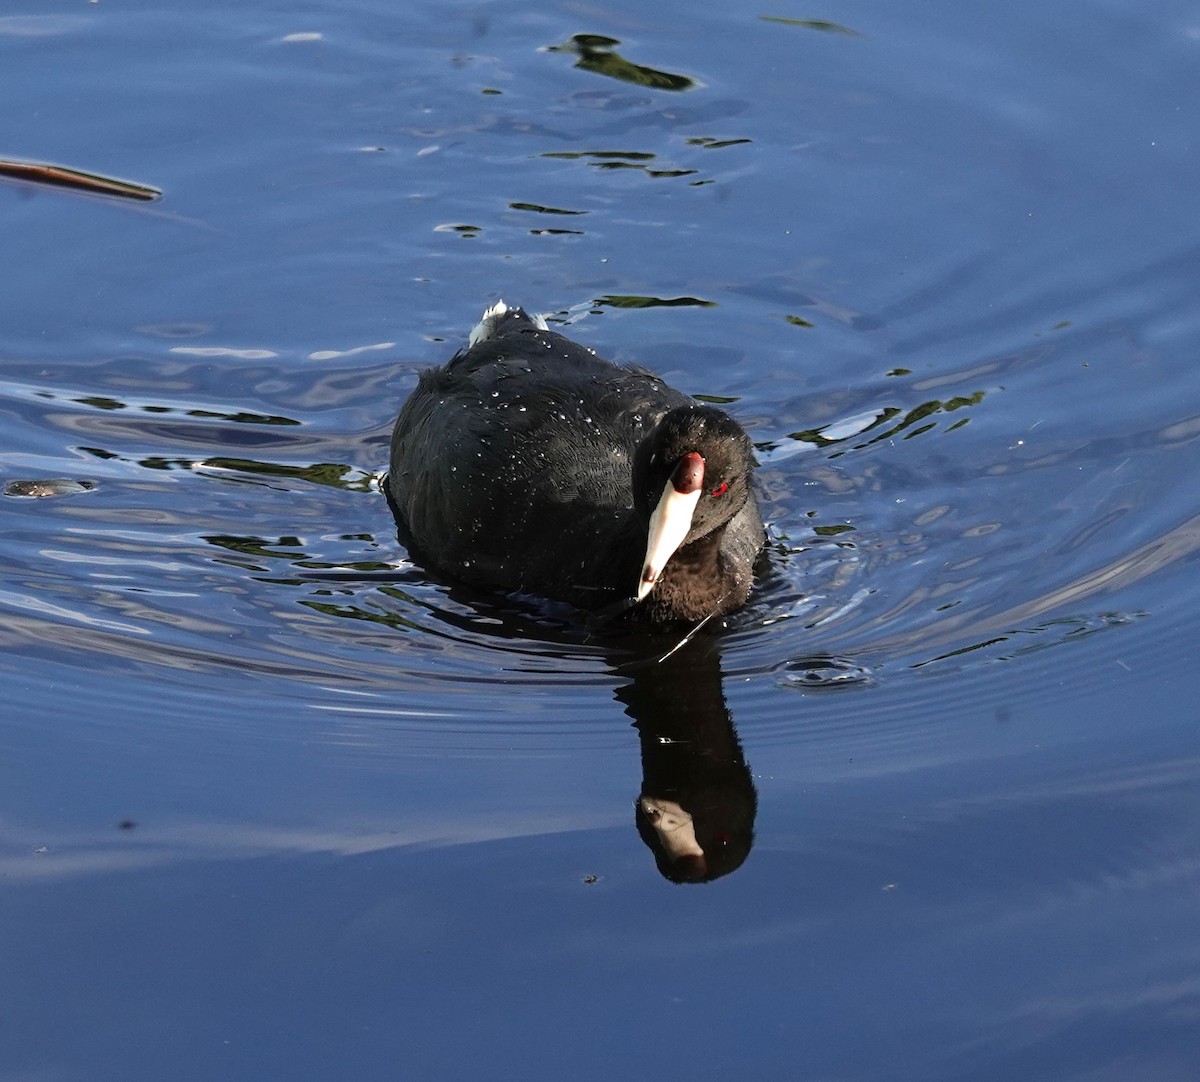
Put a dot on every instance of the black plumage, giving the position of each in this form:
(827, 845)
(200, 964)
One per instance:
(530, 464)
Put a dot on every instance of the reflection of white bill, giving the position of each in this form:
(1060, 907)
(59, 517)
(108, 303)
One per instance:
(674, 829)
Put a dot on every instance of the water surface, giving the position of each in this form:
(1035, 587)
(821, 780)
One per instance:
(279, 803)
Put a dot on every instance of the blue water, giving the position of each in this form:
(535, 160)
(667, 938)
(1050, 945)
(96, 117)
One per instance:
(279, 804)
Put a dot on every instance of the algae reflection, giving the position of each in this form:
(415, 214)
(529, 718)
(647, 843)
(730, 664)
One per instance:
(887, 422)
(598, 54)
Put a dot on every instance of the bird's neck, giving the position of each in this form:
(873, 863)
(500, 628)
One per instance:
(697, 582)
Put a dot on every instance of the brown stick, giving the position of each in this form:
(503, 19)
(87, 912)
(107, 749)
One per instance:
(62, 177)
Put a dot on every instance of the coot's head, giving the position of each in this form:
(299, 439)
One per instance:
(691, 475)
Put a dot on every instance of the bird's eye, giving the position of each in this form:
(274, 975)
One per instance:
(720, 489)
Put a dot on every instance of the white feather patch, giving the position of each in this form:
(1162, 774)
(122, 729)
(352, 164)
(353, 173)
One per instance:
(486, 327)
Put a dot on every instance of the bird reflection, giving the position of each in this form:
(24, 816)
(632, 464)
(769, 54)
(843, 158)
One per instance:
(697, 805)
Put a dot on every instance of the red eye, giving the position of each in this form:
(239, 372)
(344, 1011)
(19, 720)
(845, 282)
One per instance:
(719, 490)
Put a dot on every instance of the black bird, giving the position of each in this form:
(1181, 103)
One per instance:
(532, 465)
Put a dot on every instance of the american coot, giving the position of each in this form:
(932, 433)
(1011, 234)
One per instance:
(532, 465)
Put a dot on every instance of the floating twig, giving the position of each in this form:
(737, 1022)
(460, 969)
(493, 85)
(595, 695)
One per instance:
(60, 176)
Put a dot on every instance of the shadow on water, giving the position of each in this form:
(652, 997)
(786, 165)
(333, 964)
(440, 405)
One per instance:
(697, 804)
